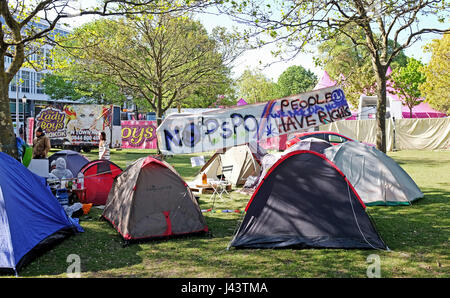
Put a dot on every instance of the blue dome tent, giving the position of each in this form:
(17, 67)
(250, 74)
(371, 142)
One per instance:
(31, 218)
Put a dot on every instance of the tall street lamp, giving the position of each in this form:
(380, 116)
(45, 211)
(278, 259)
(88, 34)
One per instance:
(17, 105)
(24, 102)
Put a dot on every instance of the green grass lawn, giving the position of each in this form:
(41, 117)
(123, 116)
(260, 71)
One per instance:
(417, 235)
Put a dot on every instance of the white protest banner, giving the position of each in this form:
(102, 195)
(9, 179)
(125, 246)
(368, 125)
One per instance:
(213, 130)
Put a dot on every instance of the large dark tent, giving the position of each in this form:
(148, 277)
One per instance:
(151, 200)
(312, 144)
(305, 201)
(74, 160)
(31, 218)
(98, 179)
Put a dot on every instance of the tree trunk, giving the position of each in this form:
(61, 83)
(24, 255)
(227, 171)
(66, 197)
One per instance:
(7, 136)
(159, 113)
(381, 108)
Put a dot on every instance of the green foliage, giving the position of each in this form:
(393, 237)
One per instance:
(294, 80)
(81, 88)
(360, 81)
(254, 87)
(437, 72)
(204, 97)
(406, 81)
(340, 56)
(157, 60)
(351, 65)
(58, 88)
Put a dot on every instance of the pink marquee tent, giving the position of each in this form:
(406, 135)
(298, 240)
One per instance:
(423, 110)
(326, 81)
(241, 102)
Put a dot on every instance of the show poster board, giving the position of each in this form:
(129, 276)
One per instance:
(210, 131)
(76, 124)
(30, 131)
(139, 134)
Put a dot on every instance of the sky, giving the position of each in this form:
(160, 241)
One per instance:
(258, 58)
(250, 59)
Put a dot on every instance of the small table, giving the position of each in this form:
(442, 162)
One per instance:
(202, 188)
(80, 193)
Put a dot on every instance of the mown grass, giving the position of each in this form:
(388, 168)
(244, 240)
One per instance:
(417, 235)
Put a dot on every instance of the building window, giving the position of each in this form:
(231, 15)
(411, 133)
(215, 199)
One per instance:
(40, 57)
(8, 60)
(48, 58)
(13, 83)
(39, 83)
(25, 88)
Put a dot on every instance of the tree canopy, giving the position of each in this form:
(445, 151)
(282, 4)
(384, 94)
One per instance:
(28, 24)
(294, 80)
(437, 73)
(253, 86)
(351, 65)
(406, 81)
(162, 59)
(295, 25)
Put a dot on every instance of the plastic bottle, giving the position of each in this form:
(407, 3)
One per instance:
(62, 196)
(80, 177)
(204, 179)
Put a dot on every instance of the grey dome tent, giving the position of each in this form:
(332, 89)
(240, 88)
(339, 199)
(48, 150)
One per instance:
(150, 200)
(377, 178)
(305, 201)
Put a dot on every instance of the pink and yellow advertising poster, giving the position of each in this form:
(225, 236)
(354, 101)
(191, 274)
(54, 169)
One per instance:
(30, 132)
(139, 134)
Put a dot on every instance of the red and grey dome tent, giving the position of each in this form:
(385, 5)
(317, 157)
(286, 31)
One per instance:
(98, 179)
(151, 200)
(305, 201)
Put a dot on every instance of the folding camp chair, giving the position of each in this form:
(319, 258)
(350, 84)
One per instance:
(220, 185)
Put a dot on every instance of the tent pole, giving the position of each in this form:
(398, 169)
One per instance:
(394, 147)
